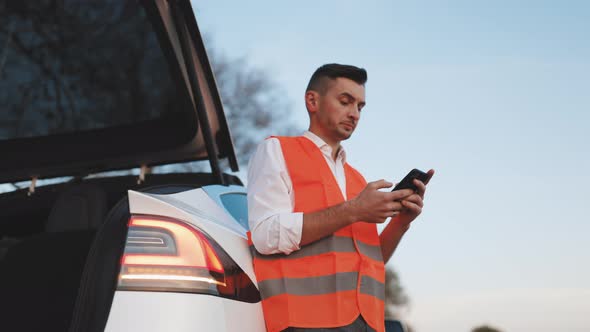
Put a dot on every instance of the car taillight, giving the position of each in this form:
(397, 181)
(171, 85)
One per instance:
(168, 255)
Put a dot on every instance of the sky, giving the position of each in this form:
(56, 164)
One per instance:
(494, 95)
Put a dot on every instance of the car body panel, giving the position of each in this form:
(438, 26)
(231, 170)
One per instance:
(198, 209)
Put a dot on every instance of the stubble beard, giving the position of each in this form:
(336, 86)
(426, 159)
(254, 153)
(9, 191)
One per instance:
(344, 135)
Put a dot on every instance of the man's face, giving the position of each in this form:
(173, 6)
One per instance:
(338, 110)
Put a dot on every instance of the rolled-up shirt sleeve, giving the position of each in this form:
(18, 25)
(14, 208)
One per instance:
(274, 226)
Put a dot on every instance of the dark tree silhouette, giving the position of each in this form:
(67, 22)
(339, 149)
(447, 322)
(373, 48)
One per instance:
(396, 299)
(485, 328)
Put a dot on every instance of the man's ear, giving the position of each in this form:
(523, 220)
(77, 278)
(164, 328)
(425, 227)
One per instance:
(311, 100)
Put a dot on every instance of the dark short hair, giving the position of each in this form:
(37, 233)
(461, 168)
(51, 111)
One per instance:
(320, 78)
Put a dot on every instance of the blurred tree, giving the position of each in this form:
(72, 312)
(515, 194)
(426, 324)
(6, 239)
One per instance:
(256, 106)
(396, 299)
(485, 328)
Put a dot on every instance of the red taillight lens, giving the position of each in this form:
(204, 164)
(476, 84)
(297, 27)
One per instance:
(163, 254)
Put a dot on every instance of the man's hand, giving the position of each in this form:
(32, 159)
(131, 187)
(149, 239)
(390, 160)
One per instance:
(374, 206)
(370, 205)
(412, 205)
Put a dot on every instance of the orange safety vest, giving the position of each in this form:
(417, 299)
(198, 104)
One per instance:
(327, 283)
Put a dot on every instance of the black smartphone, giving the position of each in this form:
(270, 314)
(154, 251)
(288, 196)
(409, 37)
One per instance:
(408, 181)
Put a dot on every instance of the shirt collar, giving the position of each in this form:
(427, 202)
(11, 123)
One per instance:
(323, 146)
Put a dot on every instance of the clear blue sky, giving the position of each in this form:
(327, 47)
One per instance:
(495, 96)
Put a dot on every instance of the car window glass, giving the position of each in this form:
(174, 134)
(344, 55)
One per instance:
(72, 65)
(237, 205)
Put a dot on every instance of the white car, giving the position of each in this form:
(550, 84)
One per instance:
(88, 87)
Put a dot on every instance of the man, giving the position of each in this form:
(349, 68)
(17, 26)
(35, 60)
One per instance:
(318, 257)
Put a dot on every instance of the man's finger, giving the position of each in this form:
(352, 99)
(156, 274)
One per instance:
(399, 194)
(416, 199)
(414, 208)
(394, 206)
(380, 184)
(430, 174)
(420, 187)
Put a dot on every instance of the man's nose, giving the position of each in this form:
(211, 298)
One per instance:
(354, 113)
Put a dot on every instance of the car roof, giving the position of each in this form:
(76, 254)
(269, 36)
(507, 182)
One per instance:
(104, 86)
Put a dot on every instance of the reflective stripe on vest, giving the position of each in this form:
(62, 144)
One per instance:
(327, 283)
(338, 282)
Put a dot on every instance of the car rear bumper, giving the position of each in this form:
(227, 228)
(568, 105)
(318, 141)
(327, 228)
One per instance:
(180, 312)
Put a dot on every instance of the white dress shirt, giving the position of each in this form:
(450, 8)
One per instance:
(275, 227)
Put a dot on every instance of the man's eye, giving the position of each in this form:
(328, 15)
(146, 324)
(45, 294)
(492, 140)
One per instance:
(343, 102)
